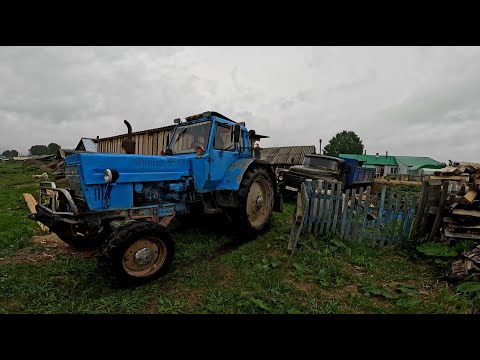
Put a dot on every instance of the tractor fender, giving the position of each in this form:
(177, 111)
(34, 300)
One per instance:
(233, 178)
(234, 175)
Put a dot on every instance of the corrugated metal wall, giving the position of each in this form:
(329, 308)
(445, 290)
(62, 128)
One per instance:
(150, 142)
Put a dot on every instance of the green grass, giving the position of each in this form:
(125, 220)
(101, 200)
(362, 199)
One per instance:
(215, 273)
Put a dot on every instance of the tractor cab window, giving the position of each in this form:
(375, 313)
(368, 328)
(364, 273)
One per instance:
(187, 138)
(223, 138)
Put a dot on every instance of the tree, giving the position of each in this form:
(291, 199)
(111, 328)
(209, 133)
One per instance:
(53, 148)
(39, 150)
(10, 153)
(345, 142)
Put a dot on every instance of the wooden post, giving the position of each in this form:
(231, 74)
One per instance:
(438, 218)
(421, 206)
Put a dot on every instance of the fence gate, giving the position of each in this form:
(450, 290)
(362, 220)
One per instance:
(358, 214)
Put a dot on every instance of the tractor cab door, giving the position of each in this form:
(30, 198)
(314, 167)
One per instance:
(222, 154)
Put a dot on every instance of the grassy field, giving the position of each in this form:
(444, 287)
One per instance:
(214, 273)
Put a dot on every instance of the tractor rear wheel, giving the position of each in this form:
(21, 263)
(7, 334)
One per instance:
(136, 253)
(255, 201)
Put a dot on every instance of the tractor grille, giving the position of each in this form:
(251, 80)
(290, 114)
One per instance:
(294, 179)
(73, 178)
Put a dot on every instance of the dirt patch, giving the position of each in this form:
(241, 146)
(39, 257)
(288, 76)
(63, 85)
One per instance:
(51, 246)
(302, 286)
(30, 163)
(276, 253)
(151, 308)
(229, 278)
(194, 297)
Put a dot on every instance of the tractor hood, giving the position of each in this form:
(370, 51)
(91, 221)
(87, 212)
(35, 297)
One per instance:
(131, 168)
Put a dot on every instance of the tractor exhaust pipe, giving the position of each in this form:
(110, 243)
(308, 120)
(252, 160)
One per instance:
(128, 144)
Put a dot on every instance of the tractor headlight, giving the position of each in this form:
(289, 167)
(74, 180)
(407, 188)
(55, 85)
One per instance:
(110, 175)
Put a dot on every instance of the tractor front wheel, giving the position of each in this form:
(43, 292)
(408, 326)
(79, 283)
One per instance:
(136, 253)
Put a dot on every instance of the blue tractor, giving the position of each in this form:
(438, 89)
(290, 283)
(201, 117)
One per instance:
(122, 203)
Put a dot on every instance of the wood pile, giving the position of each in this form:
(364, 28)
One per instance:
(468, 266)
(462, 222)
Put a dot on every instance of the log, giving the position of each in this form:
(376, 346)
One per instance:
(398, 182)
(31, 202)
(470, 196)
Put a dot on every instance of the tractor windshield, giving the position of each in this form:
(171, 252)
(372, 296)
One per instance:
(189, 137)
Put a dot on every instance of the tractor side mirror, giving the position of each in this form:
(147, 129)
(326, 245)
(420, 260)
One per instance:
(236, 133)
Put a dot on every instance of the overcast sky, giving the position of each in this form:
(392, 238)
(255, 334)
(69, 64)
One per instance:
(419, 101)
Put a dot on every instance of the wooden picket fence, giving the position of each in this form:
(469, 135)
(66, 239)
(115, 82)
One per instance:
(356, 215)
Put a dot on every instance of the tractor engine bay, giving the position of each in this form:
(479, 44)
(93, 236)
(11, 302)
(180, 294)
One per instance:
(153, 193)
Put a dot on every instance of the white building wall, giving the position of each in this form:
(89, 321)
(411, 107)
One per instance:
(402, 168)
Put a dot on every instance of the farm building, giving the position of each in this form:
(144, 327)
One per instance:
(147, 142)
(87, 144)
(283, 157)
(392, 164)
(415, 165)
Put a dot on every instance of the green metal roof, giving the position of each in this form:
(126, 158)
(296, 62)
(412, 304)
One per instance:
(412, 162)
(418, 162)
(372, 159)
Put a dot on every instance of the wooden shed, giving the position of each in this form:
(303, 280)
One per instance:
(147, 142)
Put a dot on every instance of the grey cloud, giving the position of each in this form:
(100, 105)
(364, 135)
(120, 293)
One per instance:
(409, 100)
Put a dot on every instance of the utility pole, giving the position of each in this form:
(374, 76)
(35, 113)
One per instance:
(320, 150)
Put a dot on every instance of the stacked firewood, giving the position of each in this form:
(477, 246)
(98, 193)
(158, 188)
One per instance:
(463, 219)
(462, 222)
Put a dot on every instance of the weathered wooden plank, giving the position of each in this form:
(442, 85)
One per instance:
(344, 213)
(462, 235)
(474, 213)
(388, 214)
(365, 212)
(309, 192)
(155, 143)
(351, 210)
(316, 199)
(470, 196)
(441, 205)
(411, 218)
(324, 208)
(297, 229)
(317, 208)
(394, 222)
(397, 182)
(357, 215)
(449, 177)
(31, 202)
(420, 209)
(338, 203)
(311, 213)
(380, 217)
(406, 209)
(331, 204)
